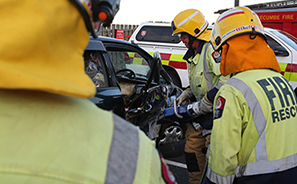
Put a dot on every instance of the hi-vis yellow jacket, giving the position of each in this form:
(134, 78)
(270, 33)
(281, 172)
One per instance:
(50, 132)
(54, 139)
(254, 134)
(204, 72)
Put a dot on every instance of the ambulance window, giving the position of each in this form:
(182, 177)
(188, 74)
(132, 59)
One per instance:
(157, 34)
(272, 43)
(286, 37)
(276, 47)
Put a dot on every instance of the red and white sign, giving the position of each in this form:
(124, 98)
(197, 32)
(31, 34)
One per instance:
(143, 33)
(120, 34)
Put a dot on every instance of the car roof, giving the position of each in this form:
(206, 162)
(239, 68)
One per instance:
(97, 43)
(111, 40)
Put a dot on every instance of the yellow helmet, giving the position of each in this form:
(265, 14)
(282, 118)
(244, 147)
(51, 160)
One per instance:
(239, 20)
(189, 21)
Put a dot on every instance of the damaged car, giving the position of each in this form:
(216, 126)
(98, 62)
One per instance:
(134, 85)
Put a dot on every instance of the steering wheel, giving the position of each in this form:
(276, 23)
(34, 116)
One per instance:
(128, 73)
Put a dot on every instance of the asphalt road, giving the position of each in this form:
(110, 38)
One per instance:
(178, 168)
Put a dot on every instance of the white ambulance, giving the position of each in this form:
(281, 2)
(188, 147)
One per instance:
(158, 37)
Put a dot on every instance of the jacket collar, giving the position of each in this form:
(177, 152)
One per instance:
(191, 52)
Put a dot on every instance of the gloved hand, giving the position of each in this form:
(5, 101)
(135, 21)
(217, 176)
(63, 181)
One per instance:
(201, 107)
(185, 97)
(205, 105)
(189, 111)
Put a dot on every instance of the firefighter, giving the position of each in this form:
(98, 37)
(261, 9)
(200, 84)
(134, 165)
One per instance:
(254, 133)
(205, 80)
(50, 131)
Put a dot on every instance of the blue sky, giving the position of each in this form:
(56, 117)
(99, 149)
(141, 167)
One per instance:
(137, 11)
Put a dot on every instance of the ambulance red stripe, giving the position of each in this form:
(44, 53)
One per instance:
(178, 65)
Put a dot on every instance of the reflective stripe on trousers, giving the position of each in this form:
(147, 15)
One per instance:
(262, 164)
(123, 154)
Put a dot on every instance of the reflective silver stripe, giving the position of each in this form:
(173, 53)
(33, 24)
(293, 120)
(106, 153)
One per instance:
(186, 19)
(194, 14)
(219, 179)
(258, 116)
(262, 164)
(269, 166)
(123, 154)
(219, 85)
(206, 70)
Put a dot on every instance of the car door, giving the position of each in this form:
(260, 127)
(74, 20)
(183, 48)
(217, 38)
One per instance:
(97, 65)
(132, 68)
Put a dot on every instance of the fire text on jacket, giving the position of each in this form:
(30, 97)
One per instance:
(281, 97)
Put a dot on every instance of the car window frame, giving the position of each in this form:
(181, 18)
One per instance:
(103, 67)
(165, 78)
(129, 48)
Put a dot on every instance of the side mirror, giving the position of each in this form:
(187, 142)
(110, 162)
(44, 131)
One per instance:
(280, 51)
